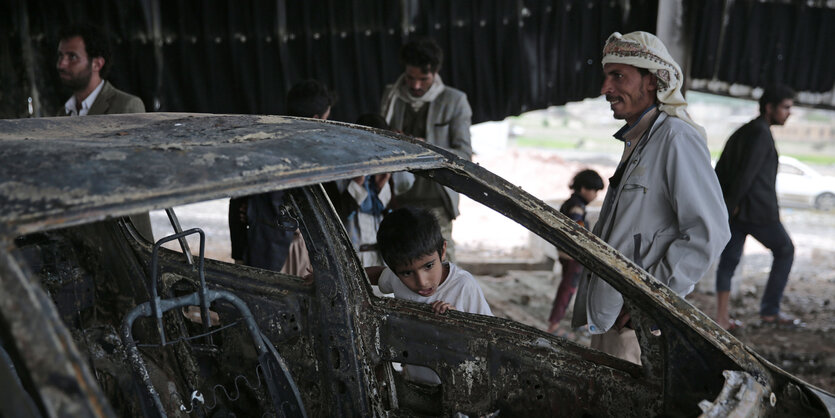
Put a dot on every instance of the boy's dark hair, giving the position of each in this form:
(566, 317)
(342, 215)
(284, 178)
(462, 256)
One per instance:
(95, 43)
(309, 98)
(774, 95)
(373, 120)
(423, 53)
(588, 179)
(407, 234)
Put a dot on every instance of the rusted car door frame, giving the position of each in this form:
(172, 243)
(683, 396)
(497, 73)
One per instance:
(488, 363)
(692, 351)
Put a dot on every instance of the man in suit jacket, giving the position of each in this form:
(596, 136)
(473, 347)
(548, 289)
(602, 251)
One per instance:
(747, 172)
(83, 62)
(420, 105)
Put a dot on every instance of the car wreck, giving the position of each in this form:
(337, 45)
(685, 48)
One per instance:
(97, 321)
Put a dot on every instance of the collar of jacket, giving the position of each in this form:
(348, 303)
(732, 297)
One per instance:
(622, 132)
(102, 102)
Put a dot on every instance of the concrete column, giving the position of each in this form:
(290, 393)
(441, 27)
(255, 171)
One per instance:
(674, 29)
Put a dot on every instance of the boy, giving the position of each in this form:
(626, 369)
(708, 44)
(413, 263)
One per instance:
(412, 246)
(585, 185)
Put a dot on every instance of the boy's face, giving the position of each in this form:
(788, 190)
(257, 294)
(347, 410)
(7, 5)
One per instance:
(588, 194)
(425, 274)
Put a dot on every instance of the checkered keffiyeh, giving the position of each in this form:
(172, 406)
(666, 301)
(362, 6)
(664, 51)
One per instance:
(645, 50)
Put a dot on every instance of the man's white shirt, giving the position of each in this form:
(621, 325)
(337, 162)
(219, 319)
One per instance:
(70, 105)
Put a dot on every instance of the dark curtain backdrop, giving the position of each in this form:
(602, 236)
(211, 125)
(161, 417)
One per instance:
(765, 42)
(242, 56)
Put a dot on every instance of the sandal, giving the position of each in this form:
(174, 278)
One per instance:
(782, 320)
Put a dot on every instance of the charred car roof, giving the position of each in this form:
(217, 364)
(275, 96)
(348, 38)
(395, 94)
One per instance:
(59, 172)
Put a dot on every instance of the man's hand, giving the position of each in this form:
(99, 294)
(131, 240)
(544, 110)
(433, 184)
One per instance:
(623, 319)
(440, 307)
(359, 180)
(380, 180)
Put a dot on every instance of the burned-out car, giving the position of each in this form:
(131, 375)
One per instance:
(97, 321)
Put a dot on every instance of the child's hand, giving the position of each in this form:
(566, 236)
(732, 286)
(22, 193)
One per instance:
(440, 307)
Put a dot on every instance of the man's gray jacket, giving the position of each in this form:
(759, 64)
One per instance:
(666, 214)
(448, 122)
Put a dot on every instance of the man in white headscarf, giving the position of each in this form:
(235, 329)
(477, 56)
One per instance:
(663, 208)
(420, 105)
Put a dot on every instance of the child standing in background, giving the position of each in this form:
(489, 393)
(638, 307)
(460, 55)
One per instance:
(585, 186)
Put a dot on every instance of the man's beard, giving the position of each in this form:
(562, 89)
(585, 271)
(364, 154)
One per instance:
(79, 82)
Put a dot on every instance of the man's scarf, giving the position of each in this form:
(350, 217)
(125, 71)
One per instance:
(401, 91)
(644, 50)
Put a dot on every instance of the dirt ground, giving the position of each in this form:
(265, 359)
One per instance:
(526, 296)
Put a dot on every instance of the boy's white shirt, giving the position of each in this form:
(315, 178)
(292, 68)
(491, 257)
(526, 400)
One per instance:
(459, 290)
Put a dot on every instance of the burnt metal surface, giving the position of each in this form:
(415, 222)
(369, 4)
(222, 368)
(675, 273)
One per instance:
(62, 171)
(60, 377)
(741, 397)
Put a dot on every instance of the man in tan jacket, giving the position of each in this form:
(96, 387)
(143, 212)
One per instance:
(83, 62)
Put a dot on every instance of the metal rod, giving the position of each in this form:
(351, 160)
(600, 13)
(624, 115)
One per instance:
(155, 300)
(175, 223)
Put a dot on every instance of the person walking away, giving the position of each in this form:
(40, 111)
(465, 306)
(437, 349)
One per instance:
(747, 172)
